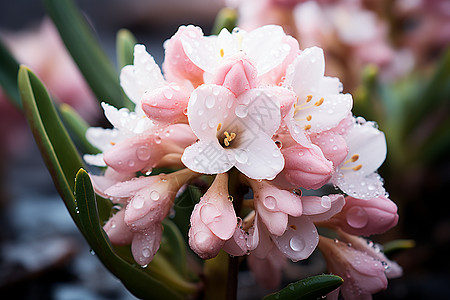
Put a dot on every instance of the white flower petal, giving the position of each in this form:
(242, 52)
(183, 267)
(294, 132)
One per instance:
(325, 116)
(208, 106)
(306, 72)
(330, 85)
(259, 156)
(358, 185)
(129, 123)
(208, 157)
(144, 75)
(260, 110)
(299, 240)
(202, 51)
(369, 144)
(102, 139)
(95, 159)
(266, 46)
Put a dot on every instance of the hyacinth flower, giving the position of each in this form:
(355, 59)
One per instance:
(244, 117)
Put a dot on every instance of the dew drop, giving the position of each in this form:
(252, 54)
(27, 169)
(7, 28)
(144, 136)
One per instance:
(143, 153)
(212, 123)
(335, 148)
(154, 195)
(241, 156)
(325, 202)
(113, 224)
(200, 112)
(158, 140)
(216, 91)
(131, 163)
(204, 126)
(138, 202)
(276, 153)
(210, 101)
(92, 252)
(241, 111)
(279, 144)
(357, 217)
(144, 266)
(168, 93)
(297, 243)
(146, 252)
(270, 202)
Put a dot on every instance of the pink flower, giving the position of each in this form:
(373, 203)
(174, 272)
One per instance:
(367, 217)
(148, 201)
(363, 274)
(213, 220)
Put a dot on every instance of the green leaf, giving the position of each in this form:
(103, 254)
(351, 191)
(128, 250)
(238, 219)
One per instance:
(54, 143)
(86, 51)
(136, 279)
(125, 47)
(226, 18)
(173, 247)
(183, 206)
(8, 75)
(398, 245)
(77, 127)
(308, 288)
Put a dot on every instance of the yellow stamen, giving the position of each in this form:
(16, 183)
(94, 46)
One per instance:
(308, 98)
(307, 127)
(319, 103)
(358, 167)
(219, 126)
(222, 53)
(293, 227)
(308, 118)
(226, 142)
(228, 138)
(112, 143)
(354, 158)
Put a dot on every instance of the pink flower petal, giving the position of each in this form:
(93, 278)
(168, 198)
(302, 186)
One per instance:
(146, 243)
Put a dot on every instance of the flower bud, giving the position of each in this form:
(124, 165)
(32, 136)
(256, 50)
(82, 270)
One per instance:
(333, 146)
(213, 220)
(177, 66)
(306, 167)
(116, 229)
(367, 217)
(237, 74)
(166, 105)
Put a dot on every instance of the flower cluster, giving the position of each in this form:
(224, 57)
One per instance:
(247, 111)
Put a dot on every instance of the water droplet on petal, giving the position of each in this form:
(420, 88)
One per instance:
(241, 156)
(138, 202)
(216, 91)
(210, 101)
(158, 140)
(143, 153)
(168, 93)
(146, 252)
(144, 266)
(212, 123)
(357, 217)
(113, 224)
(297, 243)
(154, 195)
(241, 111)
(270, 202)
(326, 202)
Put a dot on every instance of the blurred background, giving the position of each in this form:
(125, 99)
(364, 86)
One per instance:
(392, 55)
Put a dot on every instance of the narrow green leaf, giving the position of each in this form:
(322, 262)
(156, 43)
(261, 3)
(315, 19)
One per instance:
(8, 75)
(77, 127)
(226, 18)
(54, 143)
(398, 245)
(183, 206)
(125, 47)
(173, 247)
(136, 279)
(308, 288)
(86, 51)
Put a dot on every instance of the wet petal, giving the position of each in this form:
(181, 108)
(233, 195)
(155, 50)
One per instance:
(299, 240)
(208, 157)
(145, 244)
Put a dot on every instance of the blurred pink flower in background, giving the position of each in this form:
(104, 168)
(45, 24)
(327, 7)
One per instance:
(43, 51)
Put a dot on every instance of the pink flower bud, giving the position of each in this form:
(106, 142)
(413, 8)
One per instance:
(274, 205)
(116, 229)
(363, 275)
(177, 66)
(306, 167)
(145, 244)
(166, 105)
(333, 146)
(213, 220)
(238, 74)
(367, 217)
